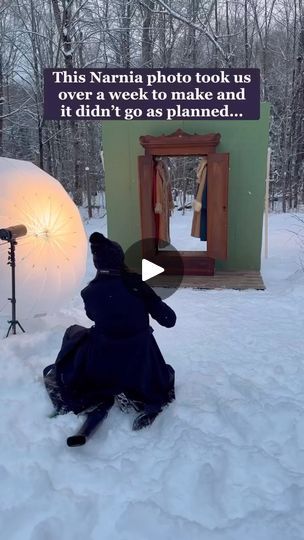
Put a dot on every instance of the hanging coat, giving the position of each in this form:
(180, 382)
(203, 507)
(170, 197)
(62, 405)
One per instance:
(163, 202)
(119, 353)
(203, 235)
(199, 221)
(156, 206)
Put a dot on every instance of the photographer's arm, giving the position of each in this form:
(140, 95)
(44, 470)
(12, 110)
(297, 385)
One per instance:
(158, 309)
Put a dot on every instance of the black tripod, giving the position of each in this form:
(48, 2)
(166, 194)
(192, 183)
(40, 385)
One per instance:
(12, 263)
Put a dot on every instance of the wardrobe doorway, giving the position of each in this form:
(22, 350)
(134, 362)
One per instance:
(180, 202)
(162, 152)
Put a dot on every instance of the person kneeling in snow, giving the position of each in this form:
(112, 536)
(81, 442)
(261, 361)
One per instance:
(118, 356)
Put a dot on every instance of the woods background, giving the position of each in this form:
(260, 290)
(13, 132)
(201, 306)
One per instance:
(36, 34)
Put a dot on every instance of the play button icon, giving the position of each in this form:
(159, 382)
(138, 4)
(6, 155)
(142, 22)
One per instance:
(161, 268)
(150, 270)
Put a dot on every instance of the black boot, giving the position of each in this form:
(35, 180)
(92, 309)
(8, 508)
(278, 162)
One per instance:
(93, 420)
(143, 420)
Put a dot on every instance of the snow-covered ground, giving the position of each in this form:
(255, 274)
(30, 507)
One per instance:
(224, 462)
(180, 232)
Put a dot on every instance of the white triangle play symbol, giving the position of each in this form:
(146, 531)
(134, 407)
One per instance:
(150, 270)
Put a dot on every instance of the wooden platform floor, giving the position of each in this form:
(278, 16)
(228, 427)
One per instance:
(220, 280)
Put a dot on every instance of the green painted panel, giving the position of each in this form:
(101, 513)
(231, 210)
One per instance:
(246, 141)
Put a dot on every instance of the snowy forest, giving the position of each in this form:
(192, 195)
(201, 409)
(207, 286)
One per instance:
(37, 34)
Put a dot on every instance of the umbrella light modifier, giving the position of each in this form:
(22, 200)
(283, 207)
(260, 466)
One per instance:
(51, 258)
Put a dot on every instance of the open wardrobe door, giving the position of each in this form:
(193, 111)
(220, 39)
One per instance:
(217, 205)
(148, 225)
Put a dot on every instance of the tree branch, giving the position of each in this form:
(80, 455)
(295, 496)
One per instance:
(16, 111)
(202, 29)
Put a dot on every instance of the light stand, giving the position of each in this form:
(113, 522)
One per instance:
(9, 235)
(13, 323)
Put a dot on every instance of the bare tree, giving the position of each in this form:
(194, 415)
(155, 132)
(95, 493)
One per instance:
(35, 34)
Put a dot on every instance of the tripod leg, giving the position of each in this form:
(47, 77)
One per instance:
(9, 329)
(17, 322)
(12, 326)
(12, 262)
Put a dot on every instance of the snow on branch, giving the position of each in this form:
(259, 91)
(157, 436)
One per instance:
(201, 28)
(16, 111)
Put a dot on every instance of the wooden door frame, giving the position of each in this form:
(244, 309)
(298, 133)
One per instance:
(177, 144)
(180, 143)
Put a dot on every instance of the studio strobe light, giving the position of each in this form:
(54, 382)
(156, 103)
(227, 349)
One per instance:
(11, 233)
(51, 258)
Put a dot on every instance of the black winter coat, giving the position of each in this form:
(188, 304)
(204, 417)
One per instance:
(119, 353)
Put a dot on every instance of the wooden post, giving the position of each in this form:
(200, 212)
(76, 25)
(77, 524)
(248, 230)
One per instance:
(266, 212)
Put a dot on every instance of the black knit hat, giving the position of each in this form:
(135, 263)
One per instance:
(107, 255)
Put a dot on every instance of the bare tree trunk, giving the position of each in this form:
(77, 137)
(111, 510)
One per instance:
(147, 42)
(126, 34)
(64, 26)
(263, 33)
(299, 106)
(228, 35)
(1, 97)
(192, 41)
(38, 83)
(216, 33)
(246, 34)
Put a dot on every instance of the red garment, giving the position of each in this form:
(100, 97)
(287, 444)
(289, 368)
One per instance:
(163, 201)
(154, 202)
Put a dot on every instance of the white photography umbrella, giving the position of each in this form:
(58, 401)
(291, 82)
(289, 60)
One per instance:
(51, 258)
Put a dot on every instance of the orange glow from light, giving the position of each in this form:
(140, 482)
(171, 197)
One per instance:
(51, 258)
